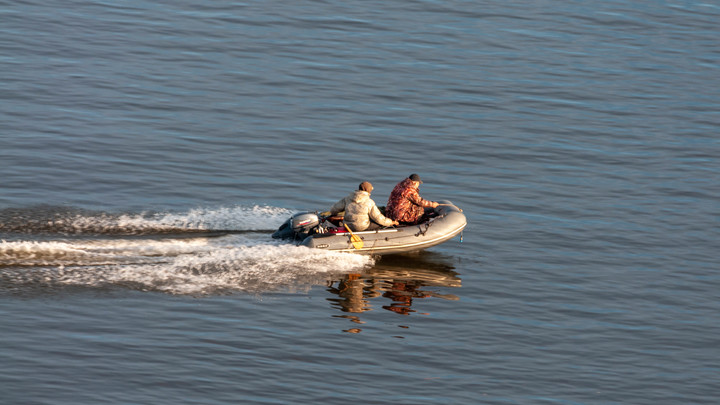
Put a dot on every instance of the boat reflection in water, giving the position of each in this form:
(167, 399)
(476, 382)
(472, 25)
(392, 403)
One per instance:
(393, 284)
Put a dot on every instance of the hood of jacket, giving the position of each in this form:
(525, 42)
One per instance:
(360, 196)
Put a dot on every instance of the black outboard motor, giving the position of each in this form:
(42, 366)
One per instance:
(299, 226)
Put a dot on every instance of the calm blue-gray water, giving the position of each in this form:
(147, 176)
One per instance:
(580, 138)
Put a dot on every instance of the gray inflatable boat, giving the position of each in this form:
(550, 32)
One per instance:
(311, 230)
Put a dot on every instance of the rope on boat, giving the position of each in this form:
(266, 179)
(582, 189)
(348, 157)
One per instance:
(427, 226)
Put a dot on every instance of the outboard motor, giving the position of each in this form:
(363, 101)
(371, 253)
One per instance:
(303, 223)
(298, 226)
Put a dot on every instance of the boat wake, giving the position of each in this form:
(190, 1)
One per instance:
(69, 221)
(204, 251)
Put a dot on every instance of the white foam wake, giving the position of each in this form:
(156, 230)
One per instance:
(240, 218)
(235, 218)
(161, 252)
(253, 269)
(94, 252)
(177, 266)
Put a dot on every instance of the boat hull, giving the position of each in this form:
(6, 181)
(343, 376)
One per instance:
(449, 222)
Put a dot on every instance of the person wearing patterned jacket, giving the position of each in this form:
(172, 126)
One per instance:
(405, 204)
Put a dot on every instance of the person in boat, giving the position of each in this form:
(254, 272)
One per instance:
(405, 204)
(361, 213)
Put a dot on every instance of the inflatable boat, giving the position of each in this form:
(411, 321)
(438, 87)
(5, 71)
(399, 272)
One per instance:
(315, 231)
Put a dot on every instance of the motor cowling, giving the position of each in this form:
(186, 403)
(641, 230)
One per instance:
(304, 222)
(298, 226)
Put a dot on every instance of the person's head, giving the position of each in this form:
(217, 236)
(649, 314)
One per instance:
(416, 179)
(366, 186)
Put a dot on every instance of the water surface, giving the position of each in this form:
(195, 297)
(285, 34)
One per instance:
(580, 140)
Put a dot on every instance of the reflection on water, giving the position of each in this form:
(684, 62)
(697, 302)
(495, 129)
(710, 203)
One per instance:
(393, 284)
